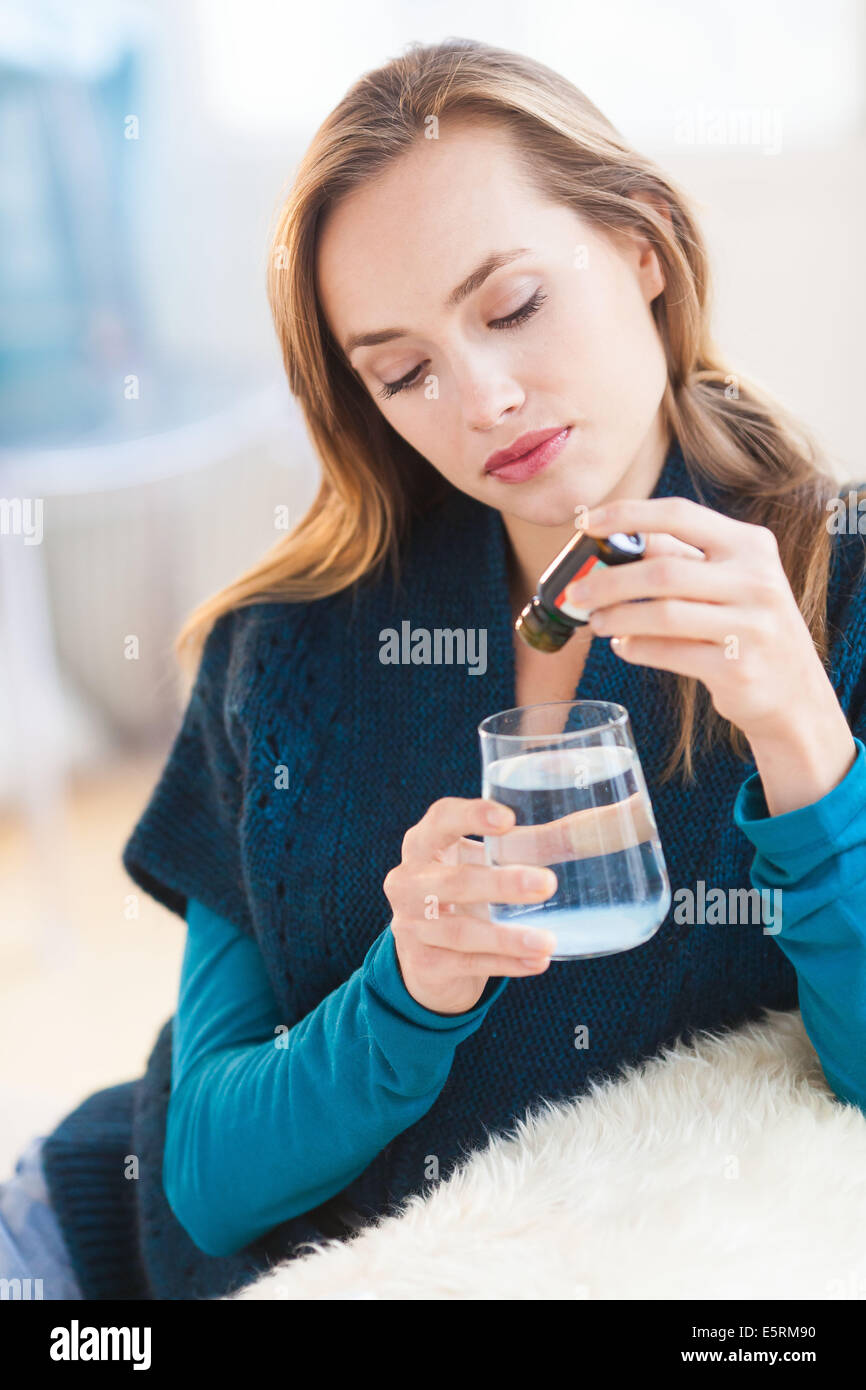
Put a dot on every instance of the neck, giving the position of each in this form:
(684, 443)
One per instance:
(532, 547)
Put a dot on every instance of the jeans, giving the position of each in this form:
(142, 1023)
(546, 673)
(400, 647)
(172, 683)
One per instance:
(31, 1242)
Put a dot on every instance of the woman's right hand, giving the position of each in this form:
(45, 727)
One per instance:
(447, 946)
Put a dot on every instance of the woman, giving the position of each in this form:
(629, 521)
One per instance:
(471, 262)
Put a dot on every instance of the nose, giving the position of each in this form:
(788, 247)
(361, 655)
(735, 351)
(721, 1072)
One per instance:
(487, 392)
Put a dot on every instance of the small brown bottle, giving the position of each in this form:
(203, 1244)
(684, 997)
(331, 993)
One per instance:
(548, 620)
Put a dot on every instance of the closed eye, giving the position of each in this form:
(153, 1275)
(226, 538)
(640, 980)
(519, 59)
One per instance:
(519, 316)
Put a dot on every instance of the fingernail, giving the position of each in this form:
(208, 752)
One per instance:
(499, 815)
(534, 963)
(534, 880)
(542, 942)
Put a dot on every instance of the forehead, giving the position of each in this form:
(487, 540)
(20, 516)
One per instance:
(395, 247)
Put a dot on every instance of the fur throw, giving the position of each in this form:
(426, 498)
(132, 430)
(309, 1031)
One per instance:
(722, 1168)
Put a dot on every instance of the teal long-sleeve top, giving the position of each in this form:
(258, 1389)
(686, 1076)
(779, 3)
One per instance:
(266, 1122)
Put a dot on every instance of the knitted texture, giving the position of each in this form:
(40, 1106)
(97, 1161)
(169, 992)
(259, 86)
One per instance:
(96, 1201)
(301, 762)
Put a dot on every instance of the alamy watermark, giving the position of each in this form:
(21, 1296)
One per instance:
(23, 1289)
(847, 516)
(730, 126)
(443, 646)
(22, 516)
(77, 1343)
(729, 906)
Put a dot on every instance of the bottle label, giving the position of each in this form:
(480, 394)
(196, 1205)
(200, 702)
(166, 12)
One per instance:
(582, 614)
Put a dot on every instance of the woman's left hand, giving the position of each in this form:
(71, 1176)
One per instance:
(718, 606)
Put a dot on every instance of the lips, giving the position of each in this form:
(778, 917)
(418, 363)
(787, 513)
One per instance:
(527, 465)
(524, 445)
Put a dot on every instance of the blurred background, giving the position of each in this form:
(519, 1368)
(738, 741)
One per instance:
(148, 442)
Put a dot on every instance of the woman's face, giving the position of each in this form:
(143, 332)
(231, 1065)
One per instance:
(561, 335)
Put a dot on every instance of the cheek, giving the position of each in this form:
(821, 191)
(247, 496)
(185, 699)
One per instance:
(615, 346)
(582, 338)
(579, 351)
(427, 425)
(435, 430)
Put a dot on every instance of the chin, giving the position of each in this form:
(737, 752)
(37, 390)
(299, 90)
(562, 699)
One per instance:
(557, 508)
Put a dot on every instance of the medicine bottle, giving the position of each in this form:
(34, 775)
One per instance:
(548, 620)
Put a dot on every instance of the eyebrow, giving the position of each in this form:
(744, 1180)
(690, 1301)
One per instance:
(473, 281)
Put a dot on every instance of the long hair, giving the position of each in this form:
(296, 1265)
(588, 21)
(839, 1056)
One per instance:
(732, 434)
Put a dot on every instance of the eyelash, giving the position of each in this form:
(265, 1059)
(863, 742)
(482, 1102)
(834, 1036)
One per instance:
(511, 321)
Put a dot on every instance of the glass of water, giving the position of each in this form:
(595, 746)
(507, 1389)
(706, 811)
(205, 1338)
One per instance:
(570, 772)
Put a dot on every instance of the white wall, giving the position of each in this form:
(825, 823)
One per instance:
(233, 92)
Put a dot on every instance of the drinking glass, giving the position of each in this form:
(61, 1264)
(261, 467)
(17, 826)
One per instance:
(570, 771)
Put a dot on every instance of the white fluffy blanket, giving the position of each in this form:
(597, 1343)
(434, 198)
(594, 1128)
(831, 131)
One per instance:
(723, 1169)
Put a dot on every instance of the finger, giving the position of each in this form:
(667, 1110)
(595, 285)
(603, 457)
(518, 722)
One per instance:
(697, 659)
(479, 910)
(418, 895)
(665, 577)
(448, 820)
(468, 934)
(479, 963)
(674, 618)
(471, 851)
(660, 543)
(717, 535)
(596, 830)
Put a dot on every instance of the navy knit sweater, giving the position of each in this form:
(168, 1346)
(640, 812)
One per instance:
(301, 761)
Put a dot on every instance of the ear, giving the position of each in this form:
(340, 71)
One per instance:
(643, 253)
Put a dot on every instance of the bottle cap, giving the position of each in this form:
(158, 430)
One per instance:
(629, 542)
(540, 629)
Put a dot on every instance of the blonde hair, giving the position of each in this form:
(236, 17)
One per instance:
(373, 482)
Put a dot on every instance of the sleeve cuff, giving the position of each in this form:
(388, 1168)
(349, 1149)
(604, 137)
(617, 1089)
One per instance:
(808, 831)
(384, 970)
(848, 1094)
